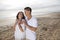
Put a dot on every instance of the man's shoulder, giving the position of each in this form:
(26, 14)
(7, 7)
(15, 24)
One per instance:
(34, 18)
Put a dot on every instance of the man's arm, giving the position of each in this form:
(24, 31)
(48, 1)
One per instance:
(20, 27)
(31, 27)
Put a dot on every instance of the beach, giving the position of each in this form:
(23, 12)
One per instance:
(48, 28)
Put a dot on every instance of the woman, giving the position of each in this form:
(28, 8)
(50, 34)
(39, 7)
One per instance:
(19, 27)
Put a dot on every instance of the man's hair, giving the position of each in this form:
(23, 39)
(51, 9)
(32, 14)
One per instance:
(28, 9)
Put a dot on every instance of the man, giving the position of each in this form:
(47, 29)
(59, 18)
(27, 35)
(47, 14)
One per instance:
(31, 24)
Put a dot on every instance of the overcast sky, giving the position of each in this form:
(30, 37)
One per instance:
(9, 8)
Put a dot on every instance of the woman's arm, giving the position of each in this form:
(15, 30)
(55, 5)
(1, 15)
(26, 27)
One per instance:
(14, 27)
(15, 24)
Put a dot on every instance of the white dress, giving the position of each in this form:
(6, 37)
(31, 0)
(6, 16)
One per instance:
(18, 34)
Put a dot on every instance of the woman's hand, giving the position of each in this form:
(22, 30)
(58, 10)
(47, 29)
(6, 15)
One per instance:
(25, 22)
(19, 22)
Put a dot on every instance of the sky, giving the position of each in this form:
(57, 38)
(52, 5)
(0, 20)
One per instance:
(9, 8)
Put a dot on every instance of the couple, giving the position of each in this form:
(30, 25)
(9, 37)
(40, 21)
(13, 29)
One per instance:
(25, 27)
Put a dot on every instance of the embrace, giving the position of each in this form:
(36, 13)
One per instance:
(25, 25)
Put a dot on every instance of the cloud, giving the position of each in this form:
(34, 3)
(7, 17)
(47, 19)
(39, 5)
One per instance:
(39, 6)
(20, 4)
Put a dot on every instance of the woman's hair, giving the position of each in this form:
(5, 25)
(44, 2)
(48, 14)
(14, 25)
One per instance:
(22, 14)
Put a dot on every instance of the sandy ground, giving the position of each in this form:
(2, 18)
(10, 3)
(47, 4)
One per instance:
(48, 29)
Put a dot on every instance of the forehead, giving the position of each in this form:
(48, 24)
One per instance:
(26, 10)
(20, 13)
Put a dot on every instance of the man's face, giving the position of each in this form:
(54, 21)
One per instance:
(27, 13)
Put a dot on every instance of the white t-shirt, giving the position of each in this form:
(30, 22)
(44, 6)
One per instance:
(31, 35)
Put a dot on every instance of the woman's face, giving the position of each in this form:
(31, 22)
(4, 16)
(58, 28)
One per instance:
(20, 15)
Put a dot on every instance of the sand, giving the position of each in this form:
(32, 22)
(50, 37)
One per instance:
(48, 29)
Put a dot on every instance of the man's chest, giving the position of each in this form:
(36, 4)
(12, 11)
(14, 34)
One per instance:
(30, 22)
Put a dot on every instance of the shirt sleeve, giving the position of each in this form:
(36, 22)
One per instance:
(35, 23)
